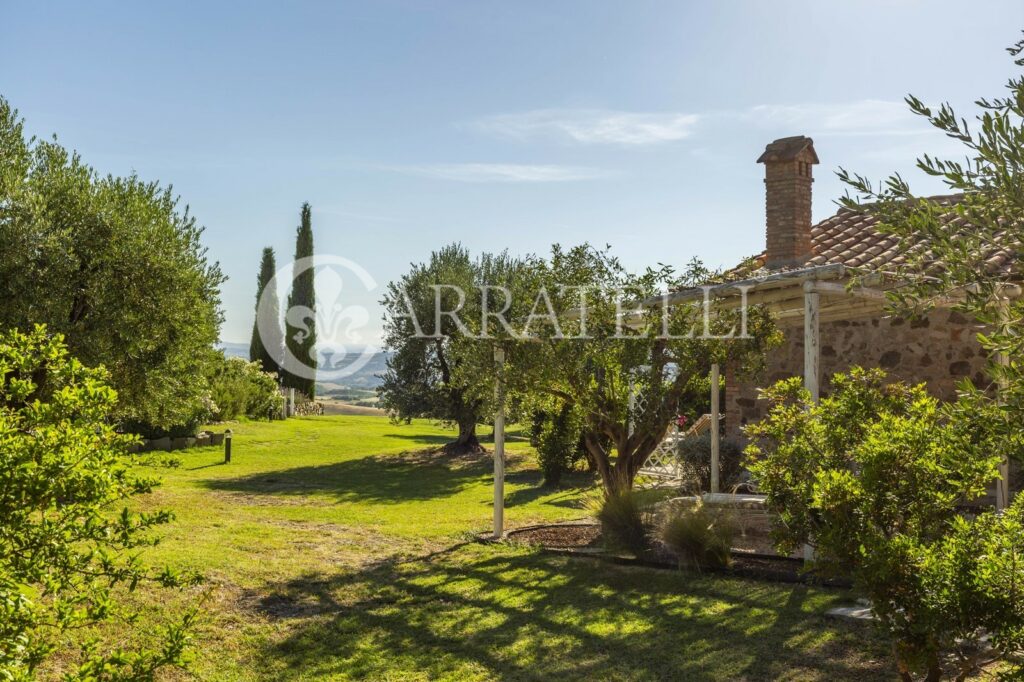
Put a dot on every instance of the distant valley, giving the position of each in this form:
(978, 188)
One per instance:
(359, 385)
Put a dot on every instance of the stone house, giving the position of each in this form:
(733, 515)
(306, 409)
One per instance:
(819, 259)
(803, 276)
(939, 350)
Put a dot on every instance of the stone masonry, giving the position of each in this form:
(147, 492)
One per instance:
(939, 351)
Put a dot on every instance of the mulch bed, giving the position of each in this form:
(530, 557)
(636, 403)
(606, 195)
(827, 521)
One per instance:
(561, 536)
(584, 539)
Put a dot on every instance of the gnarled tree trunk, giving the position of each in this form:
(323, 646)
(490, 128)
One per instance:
(466, 443)
(631, 453)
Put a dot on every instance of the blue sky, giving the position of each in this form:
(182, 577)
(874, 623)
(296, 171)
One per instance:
(498, 124)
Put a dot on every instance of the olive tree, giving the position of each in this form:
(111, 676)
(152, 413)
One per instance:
(586, 343)
(439, 365)
(116, 266)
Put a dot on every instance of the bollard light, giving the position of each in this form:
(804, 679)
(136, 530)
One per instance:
(227, 446)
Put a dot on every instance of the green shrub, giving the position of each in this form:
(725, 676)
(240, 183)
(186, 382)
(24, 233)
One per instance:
(700, 537)
(695, 455)
(871, 477)
(68, 541)
(946, 597)
(624, 522)
(201, 413)
(240, 388)
(985, 559)
(558, 444)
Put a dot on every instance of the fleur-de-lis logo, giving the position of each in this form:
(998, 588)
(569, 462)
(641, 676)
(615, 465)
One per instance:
(301, 319)
(339, 349)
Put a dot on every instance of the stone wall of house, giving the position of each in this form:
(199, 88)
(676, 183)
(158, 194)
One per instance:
(939, 350)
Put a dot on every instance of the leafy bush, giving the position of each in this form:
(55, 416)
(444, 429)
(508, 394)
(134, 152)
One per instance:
(240, 388)
(558, 444)
(624, 522)
(700, 537)
(199, 414)
(945, 598)
(64, 544)
(872, 476)
(695, 454)
(979, 568)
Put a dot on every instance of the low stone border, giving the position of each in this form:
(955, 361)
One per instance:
(166, 444)
(791, 575)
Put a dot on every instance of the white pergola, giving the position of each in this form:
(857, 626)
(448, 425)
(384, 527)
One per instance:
(813, 295)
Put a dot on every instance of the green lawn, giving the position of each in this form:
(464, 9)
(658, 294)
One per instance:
(335, 549)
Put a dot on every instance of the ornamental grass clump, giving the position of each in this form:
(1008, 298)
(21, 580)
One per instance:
(700, 536)
(624, 522)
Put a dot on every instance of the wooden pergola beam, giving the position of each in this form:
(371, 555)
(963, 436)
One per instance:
(812, 359)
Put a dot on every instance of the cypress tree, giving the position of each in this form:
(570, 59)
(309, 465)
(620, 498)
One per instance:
(267, 351)
(301, 342)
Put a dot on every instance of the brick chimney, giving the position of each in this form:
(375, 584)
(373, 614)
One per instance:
(787, 180)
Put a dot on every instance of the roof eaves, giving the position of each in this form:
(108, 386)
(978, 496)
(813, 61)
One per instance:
(776, 280)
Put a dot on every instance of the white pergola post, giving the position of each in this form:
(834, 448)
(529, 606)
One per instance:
(499, 446)
(1003, 483)
(715, 434)
(812, 358)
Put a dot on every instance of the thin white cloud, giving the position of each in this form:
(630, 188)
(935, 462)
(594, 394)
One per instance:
(502, 172)
(860, 117)
(592, 126)
(866, 117)
(635, 129)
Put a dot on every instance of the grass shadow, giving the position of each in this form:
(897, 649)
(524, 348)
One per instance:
(206, 466)
(568, 494)
(421, 439)
(377, 479)
(508, 614)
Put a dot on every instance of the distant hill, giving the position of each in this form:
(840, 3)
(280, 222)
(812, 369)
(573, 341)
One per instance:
(234, 350)
(365, 378)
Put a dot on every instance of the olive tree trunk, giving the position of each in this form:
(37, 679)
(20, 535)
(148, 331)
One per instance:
(466, 443)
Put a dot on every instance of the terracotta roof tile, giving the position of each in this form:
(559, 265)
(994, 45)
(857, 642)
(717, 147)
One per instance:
(850, 238)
